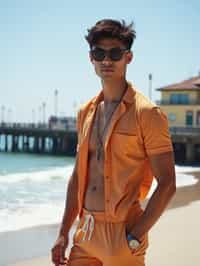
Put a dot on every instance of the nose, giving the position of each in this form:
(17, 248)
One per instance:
(107, 61)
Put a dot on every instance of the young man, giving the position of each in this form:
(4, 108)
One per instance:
(123, 142)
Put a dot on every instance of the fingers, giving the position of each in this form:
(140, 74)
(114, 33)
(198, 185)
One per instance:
(64, 262)
(61, 262)
(58, 252)
(58, 256)
(62, 255)
(55, 255)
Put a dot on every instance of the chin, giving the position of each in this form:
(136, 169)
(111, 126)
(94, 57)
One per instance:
(107, 76)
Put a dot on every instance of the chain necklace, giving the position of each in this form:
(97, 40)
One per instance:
(99, 144)
(100, 136)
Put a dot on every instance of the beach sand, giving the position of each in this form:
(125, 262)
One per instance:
(174, 239)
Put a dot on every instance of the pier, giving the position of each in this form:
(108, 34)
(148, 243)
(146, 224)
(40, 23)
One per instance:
(186, 142)
(41, 138)
(37, 138)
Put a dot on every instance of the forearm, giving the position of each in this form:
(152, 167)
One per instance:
(71, 207)
(155, 207)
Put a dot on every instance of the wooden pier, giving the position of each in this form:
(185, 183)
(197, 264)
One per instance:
(41, 138)
(38, 138)
(186, 142)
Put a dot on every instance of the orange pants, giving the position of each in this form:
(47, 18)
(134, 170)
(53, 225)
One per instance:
(100, 242)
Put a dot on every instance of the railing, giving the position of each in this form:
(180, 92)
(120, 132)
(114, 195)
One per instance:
(168, 102)
(173, 130)
(24, 125)
(39, 126)
(185, 130)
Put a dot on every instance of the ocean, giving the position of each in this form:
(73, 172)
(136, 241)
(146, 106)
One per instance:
(33, 188)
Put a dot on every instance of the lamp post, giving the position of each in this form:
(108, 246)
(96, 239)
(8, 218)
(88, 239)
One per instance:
(9, 115)
(56, 102)
(33, 116)
(150, 86)
(39, 114)
(2, 113)
(44, 112)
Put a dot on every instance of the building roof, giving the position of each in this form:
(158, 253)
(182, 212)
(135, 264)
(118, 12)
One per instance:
(189, 84)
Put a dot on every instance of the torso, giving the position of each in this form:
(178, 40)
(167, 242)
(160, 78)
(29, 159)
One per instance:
(94, 195)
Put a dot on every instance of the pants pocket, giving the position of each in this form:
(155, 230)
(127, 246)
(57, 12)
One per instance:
(141, 249)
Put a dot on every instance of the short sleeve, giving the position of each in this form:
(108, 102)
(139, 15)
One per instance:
(155, 131)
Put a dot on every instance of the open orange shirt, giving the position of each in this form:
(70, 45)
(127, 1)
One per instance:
(138, 128)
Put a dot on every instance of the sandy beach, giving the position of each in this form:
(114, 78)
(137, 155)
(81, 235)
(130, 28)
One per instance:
(174, 240)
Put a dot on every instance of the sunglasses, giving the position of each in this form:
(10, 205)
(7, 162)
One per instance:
(114, 54)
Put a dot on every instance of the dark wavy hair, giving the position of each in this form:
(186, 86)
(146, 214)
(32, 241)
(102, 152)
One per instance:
(109, 28)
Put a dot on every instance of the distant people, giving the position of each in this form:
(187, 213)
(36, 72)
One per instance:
(123, 142)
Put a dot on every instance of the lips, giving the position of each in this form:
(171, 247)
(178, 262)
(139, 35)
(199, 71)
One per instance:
(107, 70)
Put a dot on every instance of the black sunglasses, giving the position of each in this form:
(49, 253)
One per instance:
(114, 54)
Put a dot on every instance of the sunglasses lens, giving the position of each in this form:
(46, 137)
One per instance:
(116, 54)
(98, 54)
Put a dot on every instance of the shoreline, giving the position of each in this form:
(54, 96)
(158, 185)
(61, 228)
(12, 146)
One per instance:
(29, 243)
(176, 228)
(169, 240)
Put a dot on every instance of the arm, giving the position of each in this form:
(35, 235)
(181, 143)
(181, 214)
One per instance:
(162, 166)
(70, 213)
(71, 203)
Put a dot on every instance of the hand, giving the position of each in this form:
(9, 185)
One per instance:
(58, 251)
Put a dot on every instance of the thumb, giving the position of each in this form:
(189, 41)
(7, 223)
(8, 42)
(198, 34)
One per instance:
(62, 249)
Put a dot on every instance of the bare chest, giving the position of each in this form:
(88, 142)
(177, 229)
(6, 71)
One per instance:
(100, 128)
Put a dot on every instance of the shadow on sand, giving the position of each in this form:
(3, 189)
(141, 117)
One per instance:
(184, 195)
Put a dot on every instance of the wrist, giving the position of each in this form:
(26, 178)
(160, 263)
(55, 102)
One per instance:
(136, 234)
(63, 231)
(133, 242)
(61, 236)
(130, 236)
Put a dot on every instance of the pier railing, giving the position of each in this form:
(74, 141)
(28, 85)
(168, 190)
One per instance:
(189, 131)
(169, 102)
(36, 126)
(41, 138)
(44, 126)
(38, 138)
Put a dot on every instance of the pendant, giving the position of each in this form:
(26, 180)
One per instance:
(98, 151)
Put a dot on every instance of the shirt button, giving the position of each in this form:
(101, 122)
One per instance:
(107, 177)
(107, 200)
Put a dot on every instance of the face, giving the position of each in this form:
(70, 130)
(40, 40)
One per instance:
(109, 69)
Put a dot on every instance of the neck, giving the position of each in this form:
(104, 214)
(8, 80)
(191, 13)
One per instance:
(114, 90)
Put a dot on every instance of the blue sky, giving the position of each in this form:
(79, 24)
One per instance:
(42, 48)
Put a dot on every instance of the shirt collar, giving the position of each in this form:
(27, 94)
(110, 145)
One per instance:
(128, 96)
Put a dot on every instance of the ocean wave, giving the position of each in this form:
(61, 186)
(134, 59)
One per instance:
(38, 198)
(37, 176)
(32, 215)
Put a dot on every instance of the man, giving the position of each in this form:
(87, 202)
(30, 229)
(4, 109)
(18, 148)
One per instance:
(123, 141)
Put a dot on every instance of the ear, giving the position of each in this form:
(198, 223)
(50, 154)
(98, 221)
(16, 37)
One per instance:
(129, 57)
(91, 58)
